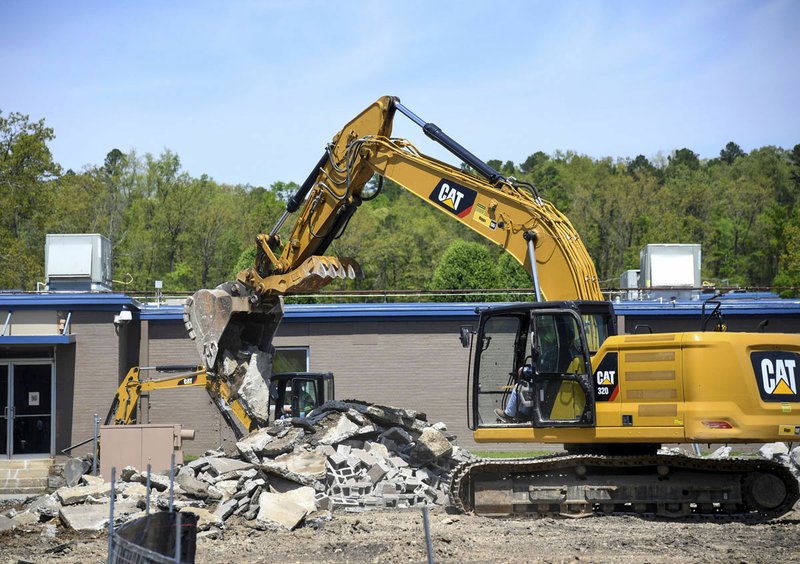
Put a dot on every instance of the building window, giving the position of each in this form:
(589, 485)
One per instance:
(290, 359)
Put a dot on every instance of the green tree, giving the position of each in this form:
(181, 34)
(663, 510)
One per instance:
(464, 266)
(27, 170)
(731, 152)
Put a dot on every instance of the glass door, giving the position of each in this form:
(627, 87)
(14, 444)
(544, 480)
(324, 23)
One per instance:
(26, 394)
(4, 411)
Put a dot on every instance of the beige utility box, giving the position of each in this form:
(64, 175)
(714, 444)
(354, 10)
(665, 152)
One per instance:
(140, 445)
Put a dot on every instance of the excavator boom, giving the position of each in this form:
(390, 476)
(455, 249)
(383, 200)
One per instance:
(511, 214)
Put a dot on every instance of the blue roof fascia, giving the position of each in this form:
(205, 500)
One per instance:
(330, 313)
(38, 340)
(303, 313)
(87, 301)
(729, 306)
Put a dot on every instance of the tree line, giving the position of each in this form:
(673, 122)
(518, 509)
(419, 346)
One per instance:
(194, 232)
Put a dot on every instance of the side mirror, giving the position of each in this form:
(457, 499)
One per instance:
(464, 336)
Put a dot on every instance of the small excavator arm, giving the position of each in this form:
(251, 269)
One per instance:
(505, 211)
(124, 406)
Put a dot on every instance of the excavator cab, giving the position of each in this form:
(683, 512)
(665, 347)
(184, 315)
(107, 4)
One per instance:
(536, 357)
(296, 394)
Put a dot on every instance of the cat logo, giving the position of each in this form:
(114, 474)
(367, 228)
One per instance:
(453, 197)
(188, 381)
(605, 378)
(776, 375)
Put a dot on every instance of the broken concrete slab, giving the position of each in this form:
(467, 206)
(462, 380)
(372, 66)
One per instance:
(335, 428)
(94, 517)
(157, 481)
(430, 446)
(252, 446)
(278, 510)
(26, 519)
(7, 524)
(195, 488)
(284, 442)
(304, 496)
(771, 450)
(376, 449)
(206, 519)
(254, 389)
(303, 467)
(221, 466)
(89, 480)
(226, 509)
(78, 494)
(74, 469)
(47, 506)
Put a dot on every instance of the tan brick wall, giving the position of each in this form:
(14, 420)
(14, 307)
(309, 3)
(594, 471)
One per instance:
(96, 373)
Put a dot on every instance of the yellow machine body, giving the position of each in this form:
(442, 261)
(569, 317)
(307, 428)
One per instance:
(698, 387)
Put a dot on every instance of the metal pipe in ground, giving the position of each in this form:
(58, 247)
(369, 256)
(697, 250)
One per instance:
(178, 537)
(113, 495)
(95, 439)
(427, 527)
(147, 494)
(171, 482)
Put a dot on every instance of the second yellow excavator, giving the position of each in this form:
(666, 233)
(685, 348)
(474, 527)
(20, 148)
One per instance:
(553, 371)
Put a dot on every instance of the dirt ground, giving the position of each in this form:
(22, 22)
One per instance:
(398, 536)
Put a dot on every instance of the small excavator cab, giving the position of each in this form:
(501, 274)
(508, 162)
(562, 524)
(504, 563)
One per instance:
(296, 394)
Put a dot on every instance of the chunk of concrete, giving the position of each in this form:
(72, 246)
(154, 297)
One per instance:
(302, 467)
(278, 510)
(74, 468)
(771, 450)
(7, 524)
(431, 445)
(227, 488)
(253, 445)
(135, 490)
(93, 517)
(376, 449)
(89, 480)
(305, 497)
(195, 488)
(78, 494)
(26, 519)
(206, 519)
(254, 391)
(335, 428)
(157, 481)
(285, 443)
(397, 435)
(47, 506)
(220, 466)
(226, 509)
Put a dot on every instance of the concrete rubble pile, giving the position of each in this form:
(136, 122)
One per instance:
(345, 455)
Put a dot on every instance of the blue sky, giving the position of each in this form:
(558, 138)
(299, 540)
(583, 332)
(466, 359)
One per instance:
(250, 92)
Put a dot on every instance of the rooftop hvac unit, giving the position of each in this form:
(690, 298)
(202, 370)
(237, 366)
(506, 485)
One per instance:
(77, 263)
(675, 267)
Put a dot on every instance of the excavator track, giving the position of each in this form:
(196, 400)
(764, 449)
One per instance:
(651, 486)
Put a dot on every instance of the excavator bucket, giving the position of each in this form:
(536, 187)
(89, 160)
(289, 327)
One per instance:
(227, 319)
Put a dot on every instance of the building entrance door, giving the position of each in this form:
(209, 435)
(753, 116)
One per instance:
(26, 394)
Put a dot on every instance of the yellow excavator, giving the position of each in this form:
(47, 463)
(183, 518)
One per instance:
(554, 371)
(292, 394)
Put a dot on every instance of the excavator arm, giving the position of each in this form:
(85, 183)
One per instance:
(126, 400)
(505, 211)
